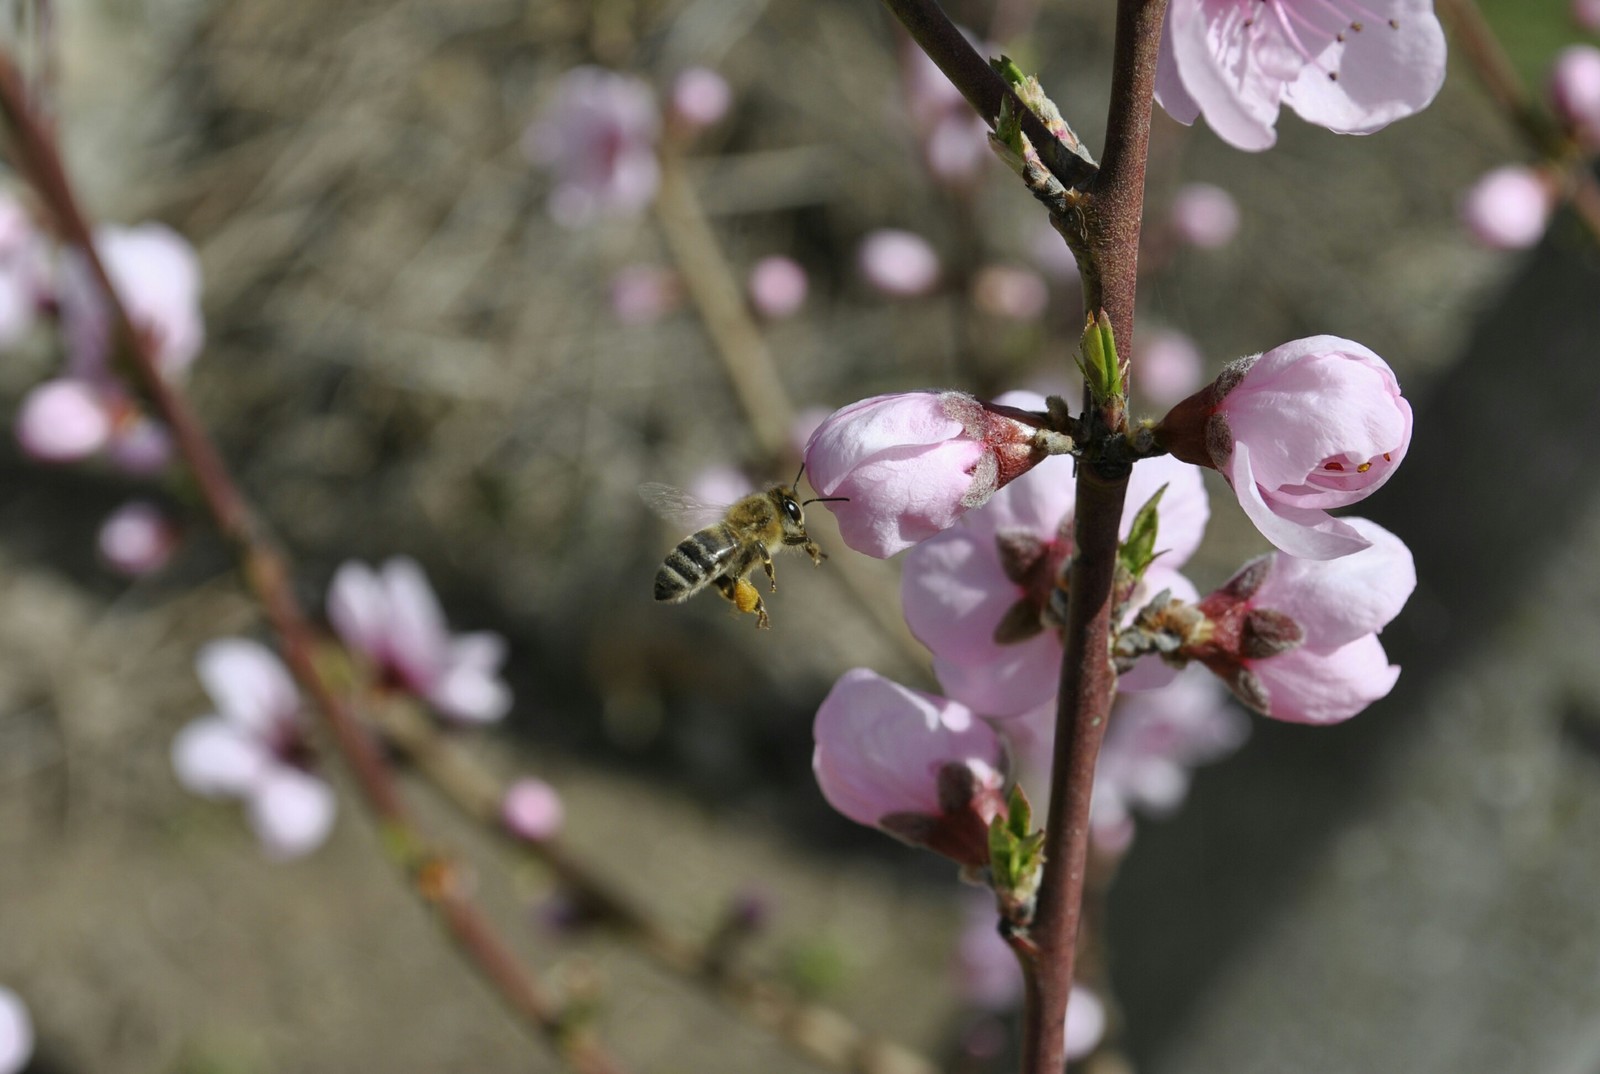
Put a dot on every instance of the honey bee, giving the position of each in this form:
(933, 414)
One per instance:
(724, 552)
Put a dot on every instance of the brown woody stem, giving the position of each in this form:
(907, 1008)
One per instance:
(433, 877)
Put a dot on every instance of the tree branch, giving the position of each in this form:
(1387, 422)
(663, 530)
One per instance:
(432, 876)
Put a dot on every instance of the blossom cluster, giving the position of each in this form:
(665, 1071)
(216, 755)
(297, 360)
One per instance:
(987, 513)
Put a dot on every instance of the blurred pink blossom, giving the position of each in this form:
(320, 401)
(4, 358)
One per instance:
(1086, 1022)
(139, 445)
(254, 748)
(986, 970)
(1053, 256)
(1508, 208)
(532, 810)
(1310, 425)
(805, 424)
(955, 140)
(899, 263)
(1167, 366)
(912, 463)
(16, 1033)
(720, 484)
(1204, 215)
(1002, 565)
(643, 294)
(1017, 294)
(24, 271)
(136, 539)
(1575, 90)
(157, 275)
(63, 420)
(598, 137)
(921, 767)
(1352, 66)
(1296, 639)
(394, 620)
(700, 98)
(777, 287)
(1586, 13)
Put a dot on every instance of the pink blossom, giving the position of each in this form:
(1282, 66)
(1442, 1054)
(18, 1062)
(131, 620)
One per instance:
(777, 287)
(1508, 208)
(1004, 564)
(1352, 66)
(1016, 294)
(532, 810)
(157, 275)
(16, 1033)
(1575, 90)
(24, 271)
(1086, 1022)
(1309, 425)
(394, 620)
(700, 98)
(720, 484)
(139, 445)
(986, 970)
(899, 263)
(912, 463)
(1296, 639)
(643, 294)
(63, 420)
(254, 748)
(1586, 13)
(955, 139)
(1167, 366)
(598, 138)
(136, 539)
(921, 767)
(1204, 215)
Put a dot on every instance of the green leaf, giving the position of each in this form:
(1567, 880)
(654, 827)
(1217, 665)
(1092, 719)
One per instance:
(1138, 551)
(1098, 359)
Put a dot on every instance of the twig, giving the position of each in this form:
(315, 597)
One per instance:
(432, 876)
(819, 1033)
(936, 35)
(753, 373)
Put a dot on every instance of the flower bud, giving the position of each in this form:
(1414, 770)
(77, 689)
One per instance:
(700, 98)
(63, 420)
(1204, 215)
(1575, 90)
(136, 539)
(921, 767)
(532, 810)
(911, 463)
(898, 263)
(1508, 208)
(1309, 425)
(777, 287)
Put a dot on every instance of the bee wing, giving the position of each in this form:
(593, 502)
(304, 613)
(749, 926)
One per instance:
(676, 505)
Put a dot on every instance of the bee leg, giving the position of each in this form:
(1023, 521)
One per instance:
(766, 565)
(747, 599)
(816, 553)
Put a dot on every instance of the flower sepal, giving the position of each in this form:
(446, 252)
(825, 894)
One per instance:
(961, 829)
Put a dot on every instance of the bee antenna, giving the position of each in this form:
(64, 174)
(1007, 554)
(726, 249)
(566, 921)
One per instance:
(796, 482)
(826, 499)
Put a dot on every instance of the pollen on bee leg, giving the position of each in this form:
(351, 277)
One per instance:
(747, 599)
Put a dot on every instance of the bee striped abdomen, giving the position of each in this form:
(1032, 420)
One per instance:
(699, 558)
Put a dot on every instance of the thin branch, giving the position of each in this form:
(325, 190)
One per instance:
(818, 1033)
(432, 877)
(946, 46)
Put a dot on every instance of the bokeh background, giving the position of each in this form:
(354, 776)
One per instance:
(406, 355)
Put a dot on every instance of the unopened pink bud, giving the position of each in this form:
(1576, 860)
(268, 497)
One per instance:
(643, 294)
(700, 97)
(63, 421)
(1167, 366)
(1508, 208)
(532, 810)
(1016, 294)
(777, 287)
(16, 1033)
(911, 463)
(899, 263)
(137, 539)
(1204, 215)
(1575, 90)
(1586, 13)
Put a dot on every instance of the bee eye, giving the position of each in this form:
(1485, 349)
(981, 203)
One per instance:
(791, 509)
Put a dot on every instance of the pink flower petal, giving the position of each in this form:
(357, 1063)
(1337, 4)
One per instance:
(249, 684)
(1337, 601)
(1086, 1022)
(532, 810)
(292, 813)
(358, 608)
(464, 692)
(217, 758)
(16, 1033)
(1387, 71)
(1303, 532)
(418, 639)
(1304, 686)
(1508, 208)
(63, 420)
(899, 263)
